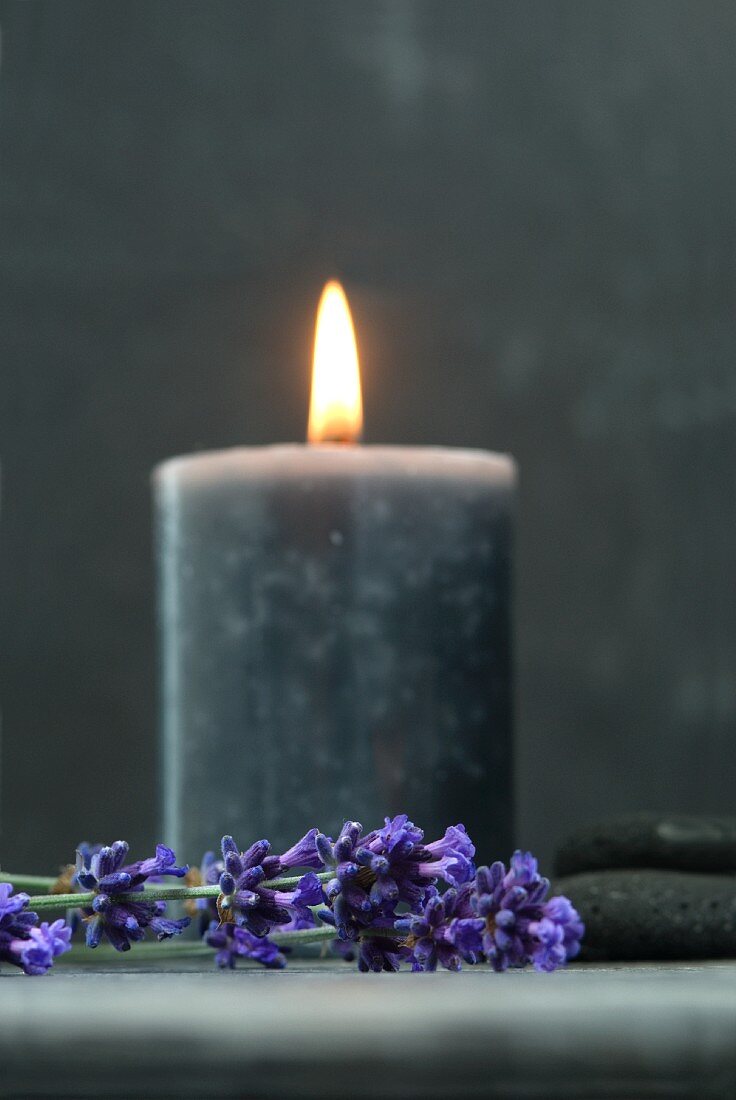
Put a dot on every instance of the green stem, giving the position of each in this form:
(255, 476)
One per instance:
(28, 883)
(182, 949)
(40, 902)
(304, 935)
(294, 880)
(156, 893)
(142, 953)
(186, 949)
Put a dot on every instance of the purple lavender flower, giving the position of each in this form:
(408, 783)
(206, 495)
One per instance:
(379, 953)
(347, 893)
(302, 854)
(124, 922)
(376, 952)
(373, 873)
(344, 949)
(455, 842)
(22, 942)
(520, 926)
(445, 932)
(46, 942)
(204, 910)
(411, 864)
(300, 920)
(69, 878)
(558, 934)
(246, 902)
(231, 943)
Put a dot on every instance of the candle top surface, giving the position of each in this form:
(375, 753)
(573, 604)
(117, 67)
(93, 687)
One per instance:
(287, 460)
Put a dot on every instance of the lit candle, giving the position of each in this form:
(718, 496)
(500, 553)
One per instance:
(335, 628)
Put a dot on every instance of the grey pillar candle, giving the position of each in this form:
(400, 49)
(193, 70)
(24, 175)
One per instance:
(335, 631)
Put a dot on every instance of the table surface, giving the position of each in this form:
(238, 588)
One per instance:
(318, 1028)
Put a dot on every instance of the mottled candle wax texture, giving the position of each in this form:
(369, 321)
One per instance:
(335, 631)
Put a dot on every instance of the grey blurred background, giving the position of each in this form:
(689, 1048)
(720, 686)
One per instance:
(532, 207)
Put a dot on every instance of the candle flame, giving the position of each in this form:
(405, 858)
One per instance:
(336, 406)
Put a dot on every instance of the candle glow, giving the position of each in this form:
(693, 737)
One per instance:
(336, 406)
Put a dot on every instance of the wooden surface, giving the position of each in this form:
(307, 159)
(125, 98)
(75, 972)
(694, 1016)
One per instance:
(321, 1029)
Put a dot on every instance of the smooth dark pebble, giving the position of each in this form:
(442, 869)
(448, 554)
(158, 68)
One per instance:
(675, 841)
(643, 914)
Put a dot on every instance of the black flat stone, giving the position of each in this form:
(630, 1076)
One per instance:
(649, 914)
(684, 843)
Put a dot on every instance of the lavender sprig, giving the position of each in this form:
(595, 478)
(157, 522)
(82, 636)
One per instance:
(500, 916)
(396, 897)
(154, 892)
(388, 866)
(124, 919)
(245, 898)
(23, 942)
